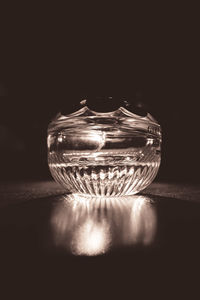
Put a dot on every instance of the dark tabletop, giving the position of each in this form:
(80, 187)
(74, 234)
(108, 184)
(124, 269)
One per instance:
(147, 244)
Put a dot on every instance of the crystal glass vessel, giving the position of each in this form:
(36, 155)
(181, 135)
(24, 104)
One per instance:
(104, 154)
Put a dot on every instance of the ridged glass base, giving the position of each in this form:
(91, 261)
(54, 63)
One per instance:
(121, 175)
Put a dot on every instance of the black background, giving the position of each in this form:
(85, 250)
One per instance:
(49, 61)
(52, 56)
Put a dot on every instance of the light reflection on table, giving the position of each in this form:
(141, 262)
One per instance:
(93, 226)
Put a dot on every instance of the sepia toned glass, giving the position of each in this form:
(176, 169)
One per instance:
(104, 154)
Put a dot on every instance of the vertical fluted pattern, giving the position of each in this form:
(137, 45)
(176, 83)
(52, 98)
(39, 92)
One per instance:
(108, 179)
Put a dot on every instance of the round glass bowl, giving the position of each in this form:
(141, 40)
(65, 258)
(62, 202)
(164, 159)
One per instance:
(104, 154)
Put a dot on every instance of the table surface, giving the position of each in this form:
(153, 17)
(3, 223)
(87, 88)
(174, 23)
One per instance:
(97, 245)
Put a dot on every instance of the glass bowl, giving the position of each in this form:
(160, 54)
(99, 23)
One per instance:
(104, 154)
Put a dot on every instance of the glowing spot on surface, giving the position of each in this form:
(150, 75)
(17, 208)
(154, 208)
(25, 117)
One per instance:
(91, 238)
(91, 226)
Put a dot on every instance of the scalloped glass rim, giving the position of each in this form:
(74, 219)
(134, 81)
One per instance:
(121, 111)
(121, 114)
